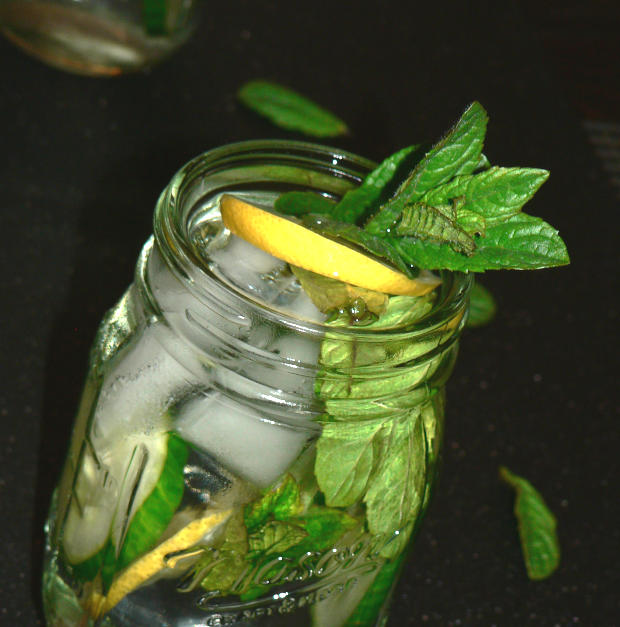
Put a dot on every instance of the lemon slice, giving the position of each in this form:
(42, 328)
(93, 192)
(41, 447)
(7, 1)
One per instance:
(153, 562)
(302, 247)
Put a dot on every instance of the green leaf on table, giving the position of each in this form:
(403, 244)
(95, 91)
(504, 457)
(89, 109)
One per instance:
(521, 241)
(537, 527)
(458, 153)
(154, 15)
(301, 203)
(482, 307)
(290, 110)
(377, 187)
(495, 194)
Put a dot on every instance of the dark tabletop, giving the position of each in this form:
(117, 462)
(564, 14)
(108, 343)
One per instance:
(82, 162)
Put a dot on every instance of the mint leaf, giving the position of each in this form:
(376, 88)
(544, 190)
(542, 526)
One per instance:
(301, 203)
(482, 306)
(495, 194)
(345, 361)
(396, 488)
(537, 527)
(274, 538)
(432, 414)
(471, 222)
(404, 311)
(308, 534)
(521, 241)
(376, 187)
(290, 110)
(483, 163)
(425, 222)
(281, 502)
(369, 243)
(222, 567)
(325, 526)
(330, 295)
(456, 154)
(344, 460)
(276, 525)
(345, 354)
(365, 451)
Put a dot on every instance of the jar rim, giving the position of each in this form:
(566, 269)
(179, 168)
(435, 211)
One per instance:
(171, 234)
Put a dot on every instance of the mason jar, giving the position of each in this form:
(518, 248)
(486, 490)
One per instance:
(240, 457)
(98, 37)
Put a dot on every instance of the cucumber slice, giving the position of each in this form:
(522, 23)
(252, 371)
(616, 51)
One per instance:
(124, 453)
(124, 496)
(152, 518)
(374, 601)
(87, 526)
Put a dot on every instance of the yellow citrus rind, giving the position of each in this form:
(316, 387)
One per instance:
(153, 562)
(285, 239)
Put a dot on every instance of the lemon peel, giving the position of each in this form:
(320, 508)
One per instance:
(285, 239)
(153, 562)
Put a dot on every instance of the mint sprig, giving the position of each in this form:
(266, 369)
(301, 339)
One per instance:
(280, 524)
(443, 209)
(455, 154)
(376, 188)
(521, 242)
(495, 194)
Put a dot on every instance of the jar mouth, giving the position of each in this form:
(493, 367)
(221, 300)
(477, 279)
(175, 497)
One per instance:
(278, 164)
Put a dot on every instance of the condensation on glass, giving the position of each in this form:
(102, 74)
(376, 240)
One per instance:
(98, 37)
(219, 409)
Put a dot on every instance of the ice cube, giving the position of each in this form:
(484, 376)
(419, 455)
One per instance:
(244, 441)
(302, 307)
(299, 355)
(196, 316)
(137, 392)
(244, 266)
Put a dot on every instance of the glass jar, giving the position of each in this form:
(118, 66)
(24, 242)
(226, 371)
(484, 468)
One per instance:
(97, 37)
(238, 457)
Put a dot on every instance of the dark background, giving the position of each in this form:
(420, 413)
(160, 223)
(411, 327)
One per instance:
(82, 162)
